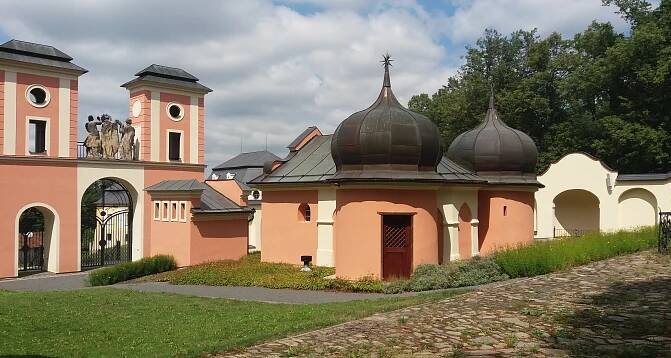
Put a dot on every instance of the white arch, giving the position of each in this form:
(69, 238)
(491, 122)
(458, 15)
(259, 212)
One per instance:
(53, 238)
(636, 210)
(576, 210)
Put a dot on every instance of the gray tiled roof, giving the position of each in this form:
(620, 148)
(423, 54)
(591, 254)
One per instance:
(249, 159)
(169, 81)
(313, 163)
(164, 75)
(213, 201)
(177, 185)
(169, 72)
(44, 55)
(644, 177)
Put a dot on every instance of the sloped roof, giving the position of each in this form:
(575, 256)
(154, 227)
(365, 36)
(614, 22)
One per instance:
(177, 185)
(301, 137)
(44, 55)
(248, 160)
(167, 72)
(211, 200)
(644, 177)
(171, 76)
(313, 164)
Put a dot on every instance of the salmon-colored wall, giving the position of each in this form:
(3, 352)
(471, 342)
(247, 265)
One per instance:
(23, 109)
(74, 113)
(230, 188)
(23, 183)
(2, 111)
(156, 175)
(167, 123)
(143, 121)
(201, 130)
(465, 250)
(171, 238)
(218, 240)
(496, 230)
(358, 234)
(315, 133)
(285, 237)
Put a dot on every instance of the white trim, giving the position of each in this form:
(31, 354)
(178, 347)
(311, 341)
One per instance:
(174, 211)
(475, 250)
(47, 99)
(193, 130)
(181, 145)
(53, 260)
(165, 210)
(326, 206)
(47, 136)
(64, 118)
(167, 89)
(30, 70)
(182, 213)
(154, 211)
(9, 143)
(155, 119)
(181, 111)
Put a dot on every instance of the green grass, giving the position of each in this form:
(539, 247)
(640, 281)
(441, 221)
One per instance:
(250, 271)
(130, 270)
(104, 322)
(555, 255)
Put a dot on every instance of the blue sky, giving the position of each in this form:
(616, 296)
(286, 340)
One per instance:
(277, 67)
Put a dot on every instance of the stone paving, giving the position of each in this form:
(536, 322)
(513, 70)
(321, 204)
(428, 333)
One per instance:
(617, 307)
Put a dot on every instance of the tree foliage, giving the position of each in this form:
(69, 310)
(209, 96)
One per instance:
(602, 92)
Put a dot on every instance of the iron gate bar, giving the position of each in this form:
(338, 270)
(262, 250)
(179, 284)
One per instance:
(664, 231)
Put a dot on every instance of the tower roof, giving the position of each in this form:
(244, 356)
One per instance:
(38, 54)
(159, 75)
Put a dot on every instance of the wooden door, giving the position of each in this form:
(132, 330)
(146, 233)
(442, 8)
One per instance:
(396, 246)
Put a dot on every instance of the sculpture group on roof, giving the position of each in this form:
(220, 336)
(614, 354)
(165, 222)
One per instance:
(112, 138)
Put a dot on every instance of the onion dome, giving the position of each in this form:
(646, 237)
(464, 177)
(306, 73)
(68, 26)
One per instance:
(386, 137)
(494, 147)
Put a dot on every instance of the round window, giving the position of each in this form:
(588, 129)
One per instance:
(175, 111)
(136, 109)
(38, 96)
(256, 194)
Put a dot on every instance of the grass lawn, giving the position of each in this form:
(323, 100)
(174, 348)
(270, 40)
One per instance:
(114, 322)
(250, 271)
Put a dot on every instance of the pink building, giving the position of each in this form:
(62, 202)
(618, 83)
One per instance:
(65, 211)
(379, 197)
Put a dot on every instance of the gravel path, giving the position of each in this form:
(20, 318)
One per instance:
(616, 307)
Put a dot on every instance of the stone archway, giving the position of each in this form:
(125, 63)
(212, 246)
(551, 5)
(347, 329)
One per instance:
(37, 235)
(576, 212)
(637, 207)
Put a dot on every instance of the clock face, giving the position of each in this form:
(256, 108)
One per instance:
(136, 109)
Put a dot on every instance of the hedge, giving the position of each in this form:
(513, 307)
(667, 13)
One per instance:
(130, 270)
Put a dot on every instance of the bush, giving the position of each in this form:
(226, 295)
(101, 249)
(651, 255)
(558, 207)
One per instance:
(554, 255)
(130, 270)
(476, 271)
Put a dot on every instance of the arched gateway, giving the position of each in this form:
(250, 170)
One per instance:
(106, 224)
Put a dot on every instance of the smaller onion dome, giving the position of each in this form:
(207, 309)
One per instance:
(494, 147)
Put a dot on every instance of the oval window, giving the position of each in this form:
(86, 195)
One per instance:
(38, 96)
(175, 111)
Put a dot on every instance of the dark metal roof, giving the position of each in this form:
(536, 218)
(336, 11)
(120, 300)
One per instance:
(44, 55)
(314, 164)
(494, 147)
(171, 76)
(213, 201)
(167, 72)
(386, 136)
(644, 177)
(248, 160)
(177, 185)
(301, 137)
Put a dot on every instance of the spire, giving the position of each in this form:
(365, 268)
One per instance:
(386, 60)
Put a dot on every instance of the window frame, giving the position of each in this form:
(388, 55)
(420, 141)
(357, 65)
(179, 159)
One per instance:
(165, 210)
(47, 98)
(181, 146)
(157, 204)
(182, 211)
(47, 135)
(181, 111)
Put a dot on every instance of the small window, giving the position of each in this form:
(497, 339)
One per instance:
(256, 194)
(37, 95)
(304, 212)
(37, 134)
(505, 210)
(175, 111)
(173, 211)
(174, 146)
(165, 212)
(182, 211)
(157, 210)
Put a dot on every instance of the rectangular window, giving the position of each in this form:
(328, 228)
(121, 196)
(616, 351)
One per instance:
(174, 146)
(157, 210)
(182, 211)
(37, 135)
(173, 211)
(166, 211)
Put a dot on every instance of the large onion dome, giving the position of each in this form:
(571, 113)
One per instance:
(494, 147)
(386, 137)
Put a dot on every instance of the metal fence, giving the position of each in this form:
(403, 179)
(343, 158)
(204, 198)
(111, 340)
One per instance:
(559, 232)
(664, 231)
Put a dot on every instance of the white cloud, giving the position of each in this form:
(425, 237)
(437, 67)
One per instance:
(274, 71)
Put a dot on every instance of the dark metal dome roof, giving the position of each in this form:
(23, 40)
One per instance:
(494, 147)
(386, 136)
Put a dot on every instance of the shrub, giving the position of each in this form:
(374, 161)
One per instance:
(130, 270)
(554, 255)
(476, 271)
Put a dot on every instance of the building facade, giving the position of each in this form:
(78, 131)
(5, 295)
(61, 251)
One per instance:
(90, 210)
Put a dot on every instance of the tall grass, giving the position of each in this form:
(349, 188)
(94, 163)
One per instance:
(554, 255)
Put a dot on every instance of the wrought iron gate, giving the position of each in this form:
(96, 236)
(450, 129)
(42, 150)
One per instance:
(664, 231)
(31, 241)
(107, 224)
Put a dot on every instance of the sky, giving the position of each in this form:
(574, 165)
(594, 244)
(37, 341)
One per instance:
(277, 67)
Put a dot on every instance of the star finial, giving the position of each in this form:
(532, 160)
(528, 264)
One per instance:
(386, 60)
